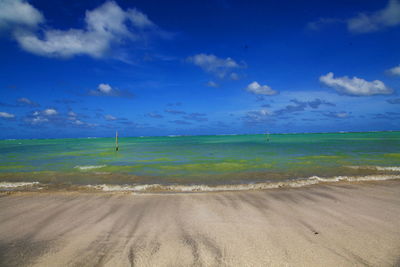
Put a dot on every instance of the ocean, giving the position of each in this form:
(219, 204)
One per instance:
(198, 163)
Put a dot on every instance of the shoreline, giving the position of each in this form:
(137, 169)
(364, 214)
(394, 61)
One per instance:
(335, 224)
(193, 188)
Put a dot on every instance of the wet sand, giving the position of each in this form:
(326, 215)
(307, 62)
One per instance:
(323, 225)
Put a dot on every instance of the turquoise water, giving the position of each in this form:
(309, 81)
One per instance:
(198, 159)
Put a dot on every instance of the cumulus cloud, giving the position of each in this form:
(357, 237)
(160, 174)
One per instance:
(50, 112)
(375, 21)
(395, 71)
(42, 116)
(51, 116)
(221, 67)
(6, 115)
(105, 26)
(355, 86)
(72, 117)
(18, 13)
(258, 89)
(104, 89)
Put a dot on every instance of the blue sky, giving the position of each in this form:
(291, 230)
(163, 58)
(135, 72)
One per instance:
(89, 68)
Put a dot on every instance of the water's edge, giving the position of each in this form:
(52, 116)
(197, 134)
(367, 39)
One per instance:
(194, 188)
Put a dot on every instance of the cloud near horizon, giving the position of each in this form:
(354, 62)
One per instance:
(38, 117)
(355, 86)
(337, 115)
(105, 26)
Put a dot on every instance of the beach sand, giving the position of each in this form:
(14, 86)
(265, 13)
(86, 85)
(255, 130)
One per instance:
(323, 225)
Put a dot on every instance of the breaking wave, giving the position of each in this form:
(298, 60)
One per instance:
(89, 167)
(17, 184)
(238, 187)
(378, 168)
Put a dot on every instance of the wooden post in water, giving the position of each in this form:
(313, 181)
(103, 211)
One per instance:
(116, 141)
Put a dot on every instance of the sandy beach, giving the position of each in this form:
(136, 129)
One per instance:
(340, 224)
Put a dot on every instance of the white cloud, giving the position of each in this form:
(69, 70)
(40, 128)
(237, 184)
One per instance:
(395, 71)
(18, 13)
(106, 25)
(215, 65)
(24, 100)
(104, 89)
(212, 84)
(27, 101)
(365, 22)
(139, 19)
(234, 76)
(50, 112)
(257, 117)
(74, 120)
(342, 114)
(355, 86)
(78, 122)
(6, 115)
(265, 112)
(337, 115)
(110, 118)
(375, 21)
(323, 22)
(38, 119)
(48, 116)
(42, 116)
(258, 89)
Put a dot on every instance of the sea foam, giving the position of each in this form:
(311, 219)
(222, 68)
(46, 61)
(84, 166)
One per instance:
(16, 184)
(89, 167)
(378, 168)
(239, 187)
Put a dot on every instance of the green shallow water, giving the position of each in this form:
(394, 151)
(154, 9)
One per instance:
(197, 159)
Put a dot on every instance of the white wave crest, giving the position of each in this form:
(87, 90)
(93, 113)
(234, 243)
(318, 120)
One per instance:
(89, 167)
(378, 168)
(238, 187)
(16, 184)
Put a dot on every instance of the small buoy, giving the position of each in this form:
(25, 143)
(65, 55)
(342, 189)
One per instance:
(116, 141)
